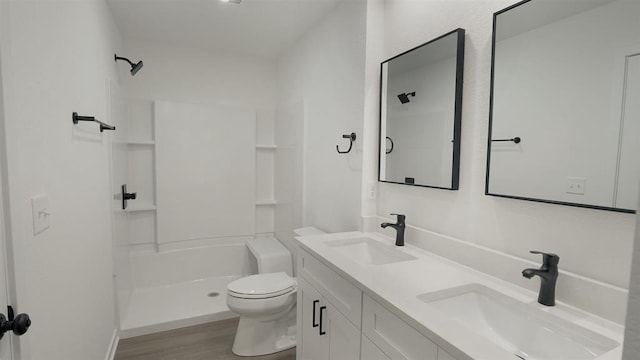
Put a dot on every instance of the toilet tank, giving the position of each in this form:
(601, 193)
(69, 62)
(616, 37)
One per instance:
(308, 231)
(270, 255)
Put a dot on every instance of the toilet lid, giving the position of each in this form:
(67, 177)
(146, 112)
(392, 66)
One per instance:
(261, 285)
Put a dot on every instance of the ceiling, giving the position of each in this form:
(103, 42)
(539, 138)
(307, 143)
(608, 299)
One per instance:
(261, 28)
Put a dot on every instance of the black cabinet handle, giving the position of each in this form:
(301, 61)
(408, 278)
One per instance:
(315, 303)
(321, 309)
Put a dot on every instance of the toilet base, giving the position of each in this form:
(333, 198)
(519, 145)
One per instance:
(256, 337)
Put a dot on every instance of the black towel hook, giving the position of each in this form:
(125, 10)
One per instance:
(352, 138)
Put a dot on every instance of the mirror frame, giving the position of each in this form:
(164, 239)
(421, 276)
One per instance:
(457, 117)
(486, 189)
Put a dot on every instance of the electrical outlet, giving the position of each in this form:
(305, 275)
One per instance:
(40, 213)
(371, 190)
(576, 185)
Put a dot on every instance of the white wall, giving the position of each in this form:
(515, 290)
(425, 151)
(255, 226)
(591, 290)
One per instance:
(194, 76)
(325, 70)
(57, 57)
(632, 325)
(595, 245)
(205, 172)
(566, 133)
(198, 76)
(190, 75)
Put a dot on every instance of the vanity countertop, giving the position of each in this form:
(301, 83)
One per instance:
(397, 285)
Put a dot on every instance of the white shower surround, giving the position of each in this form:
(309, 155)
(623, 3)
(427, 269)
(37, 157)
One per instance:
(172, 260)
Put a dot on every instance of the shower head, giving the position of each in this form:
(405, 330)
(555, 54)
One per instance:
(134, 67)
(404, 97)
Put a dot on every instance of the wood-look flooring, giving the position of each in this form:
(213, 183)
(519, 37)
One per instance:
(211, 341)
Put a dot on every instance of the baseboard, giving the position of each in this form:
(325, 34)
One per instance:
(111, 353)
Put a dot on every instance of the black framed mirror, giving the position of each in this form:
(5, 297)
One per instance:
(421, 112)
(564, 117)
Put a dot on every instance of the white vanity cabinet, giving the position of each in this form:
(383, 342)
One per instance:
(327, 305)
(394, 338)
(371, 352)
(324, 333)
(336, 321)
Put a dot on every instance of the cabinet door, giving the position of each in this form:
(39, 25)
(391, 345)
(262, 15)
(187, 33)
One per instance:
(397, 339)
(372, 352)
(343, 337)
(311, 345)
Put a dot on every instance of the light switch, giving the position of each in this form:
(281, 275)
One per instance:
(40, 213)
(576, 185)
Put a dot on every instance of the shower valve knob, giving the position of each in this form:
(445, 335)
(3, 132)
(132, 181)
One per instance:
(126, 196)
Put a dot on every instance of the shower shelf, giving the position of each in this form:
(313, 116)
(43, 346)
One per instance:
(136, 142)
(141, 207)
(141, 142)
(266, 202)
(266, 147)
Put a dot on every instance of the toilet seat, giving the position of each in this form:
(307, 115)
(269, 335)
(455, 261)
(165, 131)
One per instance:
(261, 286)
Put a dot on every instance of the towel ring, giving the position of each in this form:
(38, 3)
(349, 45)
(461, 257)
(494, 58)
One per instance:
(352, 138)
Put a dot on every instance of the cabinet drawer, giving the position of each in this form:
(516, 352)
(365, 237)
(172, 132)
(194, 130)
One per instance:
(346, 298)
(394, 337)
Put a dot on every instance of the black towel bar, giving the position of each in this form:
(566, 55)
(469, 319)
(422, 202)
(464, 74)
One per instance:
(76, 118)
(516, 140)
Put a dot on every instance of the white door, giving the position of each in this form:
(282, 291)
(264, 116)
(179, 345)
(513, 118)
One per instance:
(6, 352)
(6, 341)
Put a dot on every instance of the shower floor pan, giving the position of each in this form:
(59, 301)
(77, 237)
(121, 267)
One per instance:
(160, 308)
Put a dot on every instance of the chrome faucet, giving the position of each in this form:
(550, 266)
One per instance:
(399, 227)
(548, 274)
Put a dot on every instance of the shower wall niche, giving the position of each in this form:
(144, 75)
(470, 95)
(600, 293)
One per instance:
(141, 151)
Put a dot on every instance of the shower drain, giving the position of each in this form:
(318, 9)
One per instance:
(213, 294)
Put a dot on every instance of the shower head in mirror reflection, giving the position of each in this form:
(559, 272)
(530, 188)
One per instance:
(430, 76)
(404, 97)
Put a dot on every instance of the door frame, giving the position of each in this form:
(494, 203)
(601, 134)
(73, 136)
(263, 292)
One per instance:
(6, 244)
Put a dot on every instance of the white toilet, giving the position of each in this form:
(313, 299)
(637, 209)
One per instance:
(266, 302)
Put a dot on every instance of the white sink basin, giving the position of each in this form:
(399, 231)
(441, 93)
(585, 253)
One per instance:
(367, 251)
(522, 329)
